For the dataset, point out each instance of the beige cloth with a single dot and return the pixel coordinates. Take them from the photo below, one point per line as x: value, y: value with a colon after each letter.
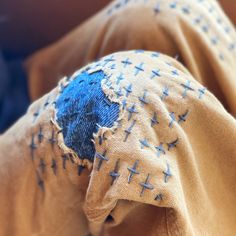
x: 197, y: 31
x: 179, y: 144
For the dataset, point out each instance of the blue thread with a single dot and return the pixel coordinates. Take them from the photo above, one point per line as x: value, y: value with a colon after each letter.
x: 101, y: 138
x: 205, y: 28
x: 197, y: 20
x: 186, y: 88
x: 227, y: 29
x: 146, y: 185
x: 155, y: 73
x: 214, y: 40
x: 71, y: 158
x: 88, y: 106
x: 219, y: 20
x: 80, y: 169
x: 107, y: 80
x: 167, y: 173
x: 138, y: 68
x: 128, y: 90
x: 40, y: 135
x: 182, y: 118
x: 108, y: 60
x: 160, y: 150
x: 36, y: 114
x: 232, y: 46
x: 157, y: 9
x: 52, y: 140
x: 32, y: 146
x: 114, y: 174
x: 169, y: 64
x: 112, y: 67
x: 143, y: 99
x: 172, y: 119
x: 154, y: 120
x: 165, y: 93
x: 101, y: 157
x: 109, y: 12
x: 46, y: 103
x: 144, y: 143
x: 109, y: 84
x: 54, y: 166
x: 126, y: 62
x: 119, y: 78
x: 128, y: 131
x: 42, y: 165
x: 221, y: 56
x: 133, y: 171
x: 159, y: 197
x: 172, y: 144
x: 201, y: 92
x: 173, y: 5
x: 64, y: 159
x: 175, y: 72
x: 124, y: 103
x: 118, y: 93
x: 211, y: 9
x: 40, y: 181
x: 155, y: 54
x: 117, y: 5
x: 131, y: 110
x: 96, y: 65
x: 186, y: 9
x: 62, y: 87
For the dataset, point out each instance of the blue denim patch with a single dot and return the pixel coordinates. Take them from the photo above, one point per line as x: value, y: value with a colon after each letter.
x: 81, y: 107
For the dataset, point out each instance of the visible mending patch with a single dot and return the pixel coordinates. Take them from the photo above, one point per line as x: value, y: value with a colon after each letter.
x: 82, y: 108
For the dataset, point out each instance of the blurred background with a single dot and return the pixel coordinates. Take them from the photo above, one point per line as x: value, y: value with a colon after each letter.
x: 28, y: 25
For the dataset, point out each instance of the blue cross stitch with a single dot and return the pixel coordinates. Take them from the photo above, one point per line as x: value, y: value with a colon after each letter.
x: 126, y: 62
x: 160, y: 150
x: 138, y: 68
x: 167, y: 173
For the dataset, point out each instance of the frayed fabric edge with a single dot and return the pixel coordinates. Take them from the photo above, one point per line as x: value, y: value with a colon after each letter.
x: 111, y: 96
x: 101, y: 131
x: 68, y: 151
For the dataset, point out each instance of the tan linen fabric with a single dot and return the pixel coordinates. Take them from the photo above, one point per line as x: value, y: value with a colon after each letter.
x: 197, y: 31
x: 37, y: 195
x: 166, y: 167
